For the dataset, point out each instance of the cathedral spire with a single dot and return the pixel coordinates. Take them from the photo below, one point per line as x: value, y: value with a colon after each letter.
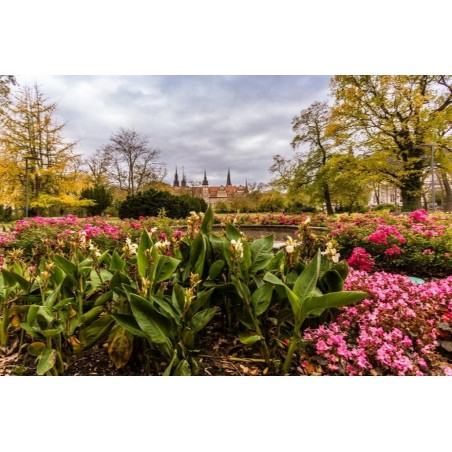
x: 176, y: 179
x: 205, y: 182
x: 228, y: 181
x: 184, y: 178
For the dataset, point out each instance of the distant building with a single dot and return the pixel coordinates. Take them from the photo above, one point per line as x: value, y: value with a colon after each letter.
x: 210, y: 193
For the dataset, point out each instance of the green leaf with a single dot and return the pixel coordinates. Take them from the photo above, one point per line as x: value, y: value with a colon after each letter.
x: 129, y: 323
x: 202, y: 318
x: 145, y: 244
x: 8, y: 278
x: 96, y: 280
x: 45, y: 318
x: 167, y: 372
x: 332, y: 300
x: 117, y: 263
x: 261, y: 253
x: 215, y: 269
x: 165, y: 268
x: 23, y: 283
x: 47, y: 360
x: 294, y: 301
x: 232, y: 233
x: 35, y: 348
x: 249, y: 337
x: 92, y: 314
x: 156, y: 327
x: 50, y: 301
x: 333, y: 281
x: 31, y: 314
x: 307, y: 281
x: 67, y: 266
x: 102, y: 299
x: 178, y: 298
x: 261, y: 298
x: 201, y: 299
x: 183, y: 369
x: 90, y: 335
x: 207, y: 221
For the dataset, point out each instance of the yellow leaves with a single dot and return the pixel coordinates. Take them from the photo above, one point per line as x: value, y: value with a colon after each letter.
x: 120, y: 345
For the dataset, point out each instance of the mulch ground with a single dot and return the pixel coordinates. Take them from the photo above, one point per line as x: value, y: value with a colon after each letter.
x: 220, y: 354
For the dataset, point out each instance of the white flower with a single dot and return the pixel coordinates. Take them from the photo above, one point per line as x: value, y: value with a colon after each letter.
x: 331, y: 252
x: 130, y: 247
x: 291, y: 244
x: 237, y: 247
x: 153, y: 230
x: 162, y: 244
x: 307, y: 221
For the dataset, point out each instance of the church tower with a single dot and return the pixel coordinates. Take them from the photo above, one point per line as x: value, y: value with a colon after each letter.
x: 184, y: 178
x: 205, y: 188
x: 228, y: 180
x: 176, y: 179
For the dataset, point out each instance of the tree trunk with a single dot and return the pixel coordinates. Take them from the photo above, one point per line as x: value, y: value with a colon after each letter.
x: 448, y: 193
x: 327, y: 197
x: 411, y: 189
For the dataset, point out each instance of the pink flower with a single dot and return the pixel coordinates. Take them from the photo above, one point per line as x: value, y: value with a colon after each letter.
x: 393, y: 250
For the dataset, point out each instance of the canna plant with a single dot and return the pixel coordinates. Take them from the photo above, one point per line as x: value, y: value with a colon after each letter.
x: 317, y: 288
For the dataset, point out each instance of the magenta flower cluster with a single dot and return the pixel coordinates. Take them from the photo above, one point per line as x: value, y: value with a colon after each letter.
x: 394, y: 331
x: 385, y: 232
x: 361, y: 260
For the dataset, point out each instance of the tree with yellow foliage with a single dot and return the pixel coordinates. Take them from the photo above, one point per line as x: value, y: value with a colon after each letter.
x: 30, y: 131
x: 391, y: 117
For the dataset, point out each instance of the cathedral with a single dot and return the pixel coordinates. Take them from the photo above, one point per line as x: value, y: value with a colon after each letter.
x: 211, y: 194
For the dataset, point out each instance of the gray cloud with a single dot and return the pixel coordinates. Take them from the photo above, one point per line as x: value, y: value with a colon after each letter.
x: 211, y: 122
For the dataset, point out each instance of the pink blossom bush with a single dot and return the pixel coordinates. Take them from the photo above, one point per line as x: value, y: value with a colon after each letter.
x: 361, y: 260
x: 394, y: 331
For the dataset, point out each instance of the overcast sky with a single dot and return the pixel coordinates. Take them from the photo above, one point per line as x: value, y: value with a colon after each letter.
x: 197, y: 122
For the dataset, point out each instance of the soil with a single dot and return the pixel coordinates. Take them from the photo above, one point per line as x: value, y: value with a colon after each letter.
x: 220, y: 354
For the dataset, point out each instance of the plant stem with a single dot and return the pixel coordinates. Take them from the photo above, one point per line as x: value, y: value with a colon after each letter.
x: 292, y: 346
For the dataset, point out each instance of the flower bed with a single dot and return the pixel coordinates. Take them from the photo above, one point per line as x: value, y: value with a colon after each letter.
x: 395, y: 331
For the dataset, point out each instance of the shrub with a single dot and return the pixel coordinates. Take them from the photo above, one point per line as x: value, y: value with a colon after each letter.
x: 387, y: 206
x: 149, y: 203
x: 194, y: 204
x: 102, y: 197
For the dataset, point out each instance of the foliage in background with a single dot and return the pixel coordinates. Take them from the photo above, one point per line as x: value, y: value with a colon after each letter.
x: 150, y: 202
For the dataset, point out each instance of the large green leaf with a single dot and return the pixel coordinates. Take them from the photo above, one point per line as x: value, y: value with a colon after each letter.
x: 165, y: 268
x: 261, y: 298
x: 129, y: 323
x: 232, y: 233
x: 215, y: 269
x: 145, y: 244
x: 307, y: 281
x: 261, y: 253
x: 201, y: 299
x: 90, y: 335
x: 207, y: 221
x: 294, y: 301
x: 67, y: 266
x: 331, y: 300
x: 202, y: 318
x: 47, y: 360
x: 156, y: 327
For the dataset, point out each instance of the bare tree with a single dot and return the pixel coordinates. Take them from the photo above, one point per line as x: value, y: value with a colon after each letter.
x: 131, y: 162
